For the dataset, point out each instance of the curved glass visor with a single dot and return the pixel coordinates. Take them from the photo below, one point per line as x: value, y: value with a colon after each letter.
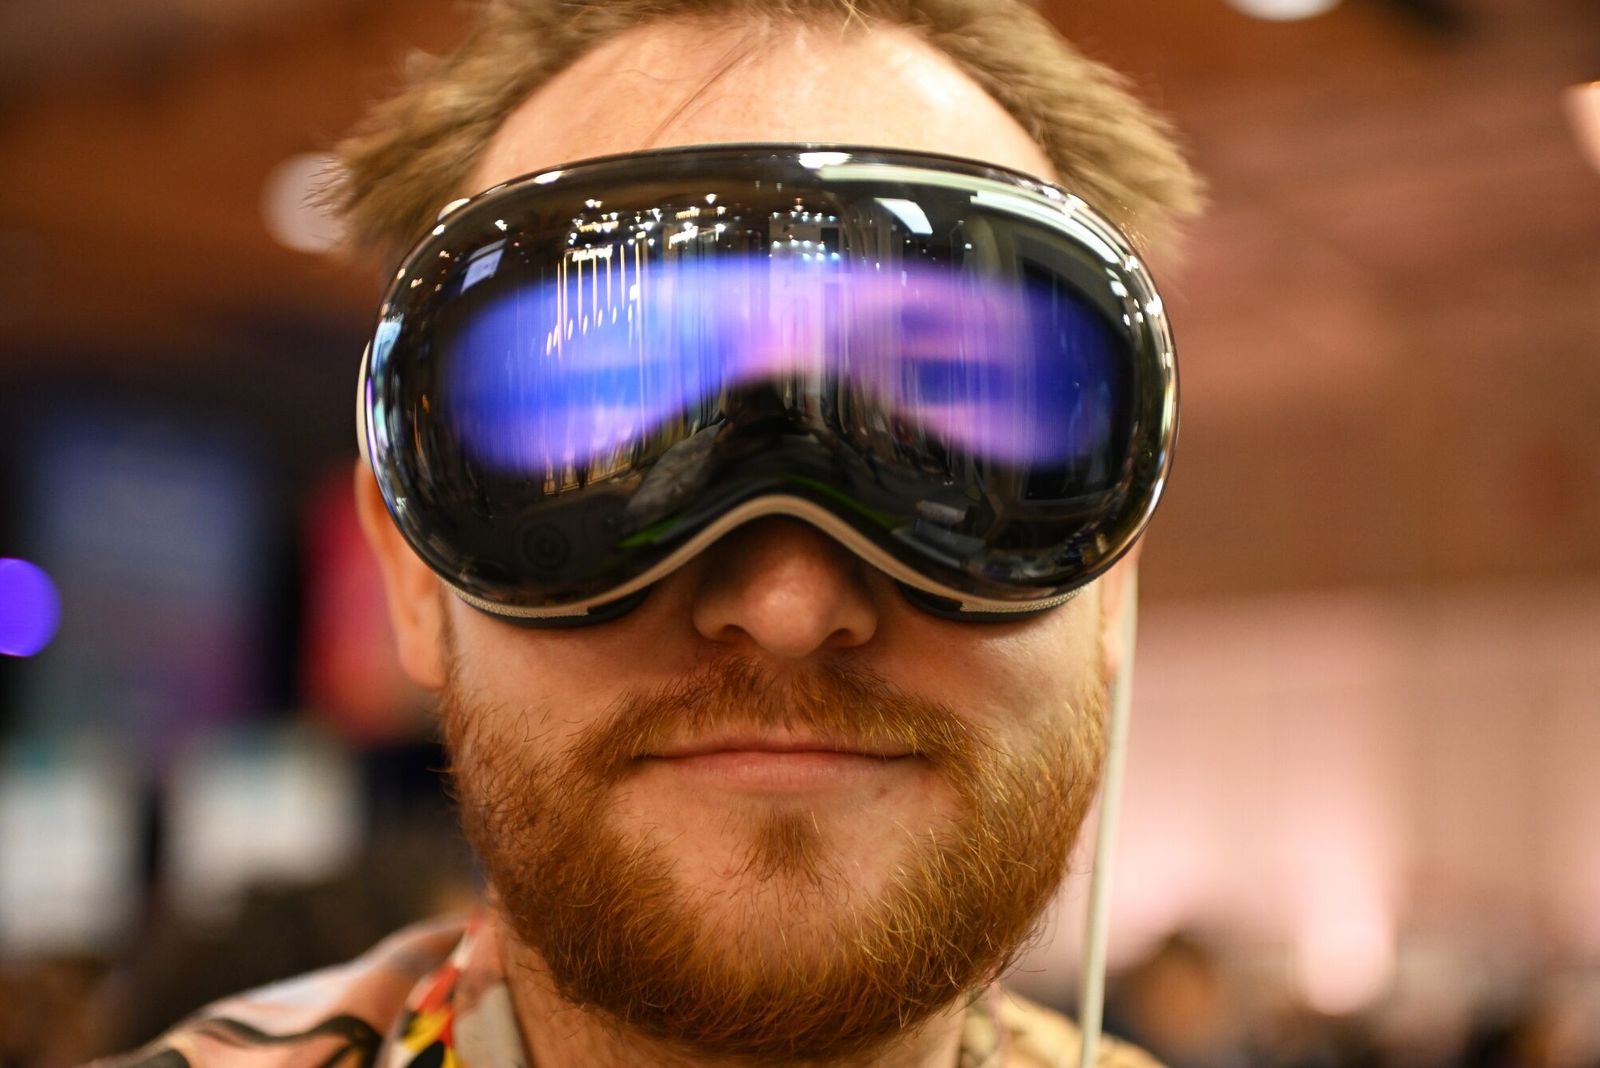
x: 582, y: 378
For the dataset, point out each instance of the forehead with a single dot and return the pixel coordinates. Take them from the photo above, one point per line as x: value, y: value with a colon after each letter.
x: 683, y: 83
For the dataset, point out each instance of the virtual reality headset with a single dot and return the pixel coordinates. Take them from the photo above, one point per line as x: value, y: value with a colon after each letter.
x: 582, y: 378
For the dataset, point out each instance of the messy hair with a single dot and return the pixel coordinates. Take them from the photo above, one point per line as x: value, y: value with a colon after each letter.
x: 414, y: 151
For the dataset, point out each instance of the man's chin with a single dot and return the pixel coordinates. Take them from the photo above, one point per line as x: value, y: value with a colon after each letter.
x: 835, y: 846
x: 795, y: 950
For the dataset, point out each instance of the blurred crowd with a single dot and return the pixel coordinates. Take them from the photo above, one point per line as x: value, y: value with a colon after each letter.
x: 1182, y: 1004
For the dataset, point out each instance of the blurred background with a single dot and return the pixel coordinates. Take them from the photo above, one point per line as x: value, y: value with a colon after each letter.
x: 1362, y: 820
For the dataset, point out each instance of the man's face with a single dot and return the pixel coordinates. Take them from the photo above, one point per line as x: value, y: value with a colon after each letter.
x: 776, y: 808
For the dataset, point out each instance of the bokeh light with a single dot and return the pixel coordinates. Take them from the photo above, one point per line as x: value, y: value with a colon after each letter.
x: 1583, y: 111
x: 30, y: 608
x: 1285, y: 10
x: 290, y: 209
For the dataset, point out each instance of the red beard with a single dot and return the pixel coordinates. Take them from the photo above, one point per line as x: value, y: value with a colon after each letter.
x: 604, y: 912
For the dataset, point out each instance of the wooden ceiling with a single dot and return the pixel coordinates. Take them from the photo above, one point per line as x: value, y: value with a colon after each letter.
x: 1389, y: 321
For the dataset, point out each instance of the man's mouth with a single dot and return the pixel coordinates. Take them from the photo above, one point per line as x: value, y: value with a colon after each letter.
x: 777, y: 762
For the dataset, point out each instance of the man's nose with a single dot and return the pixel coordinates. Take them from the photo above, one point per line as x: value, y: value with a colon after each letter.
x: 780, y: 586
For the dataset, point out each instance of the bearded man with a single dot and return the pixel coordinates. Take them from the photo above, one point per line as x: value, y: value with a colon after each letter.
x: 762, y: 434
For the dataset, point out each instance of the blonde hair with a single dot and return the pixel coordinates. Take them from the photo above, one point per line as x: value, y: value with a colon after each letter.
x: 414, y: 151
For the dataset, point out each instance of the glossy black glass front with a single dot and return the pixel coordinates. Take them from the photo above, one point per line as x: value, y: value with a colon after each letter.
x: 578, y: 372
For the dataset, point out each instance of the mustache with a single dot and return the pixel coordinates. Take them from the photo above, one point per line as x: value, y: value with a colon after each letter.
x: 839, y: 702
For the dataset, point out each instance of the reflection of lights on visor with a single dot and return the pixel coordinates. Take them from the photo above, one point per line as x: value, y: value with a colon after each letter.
x: 569, y: 370
x: 908, y: 212
x: 1017, y: 205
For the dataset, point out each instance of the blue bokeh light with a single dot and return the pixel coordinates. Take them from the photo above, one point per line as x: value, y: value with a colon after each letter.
x: 30, y: 608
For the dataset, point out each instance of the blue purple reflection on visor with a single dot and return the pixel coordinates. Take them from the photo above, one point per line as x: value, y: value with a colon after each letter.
x: 571, y: 368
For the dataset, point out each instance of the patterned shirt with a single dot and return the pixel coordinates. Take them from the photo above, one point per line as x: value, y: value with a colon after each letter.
x: 435, y: 996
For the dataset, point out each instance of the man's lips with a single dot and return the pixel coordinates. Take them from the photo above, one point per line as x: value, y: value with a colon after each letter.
x: 776, y: 744
x: 783, y: 764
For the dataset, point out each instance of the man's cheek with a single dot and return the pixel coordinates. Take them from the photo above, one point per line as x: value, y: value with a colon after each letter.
x: 621, y: 809
x: 1042, y: 682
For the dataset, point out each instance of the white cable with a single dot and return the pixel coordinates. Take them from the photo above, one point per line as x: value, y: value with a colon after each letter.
x: 1091, y: 1000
